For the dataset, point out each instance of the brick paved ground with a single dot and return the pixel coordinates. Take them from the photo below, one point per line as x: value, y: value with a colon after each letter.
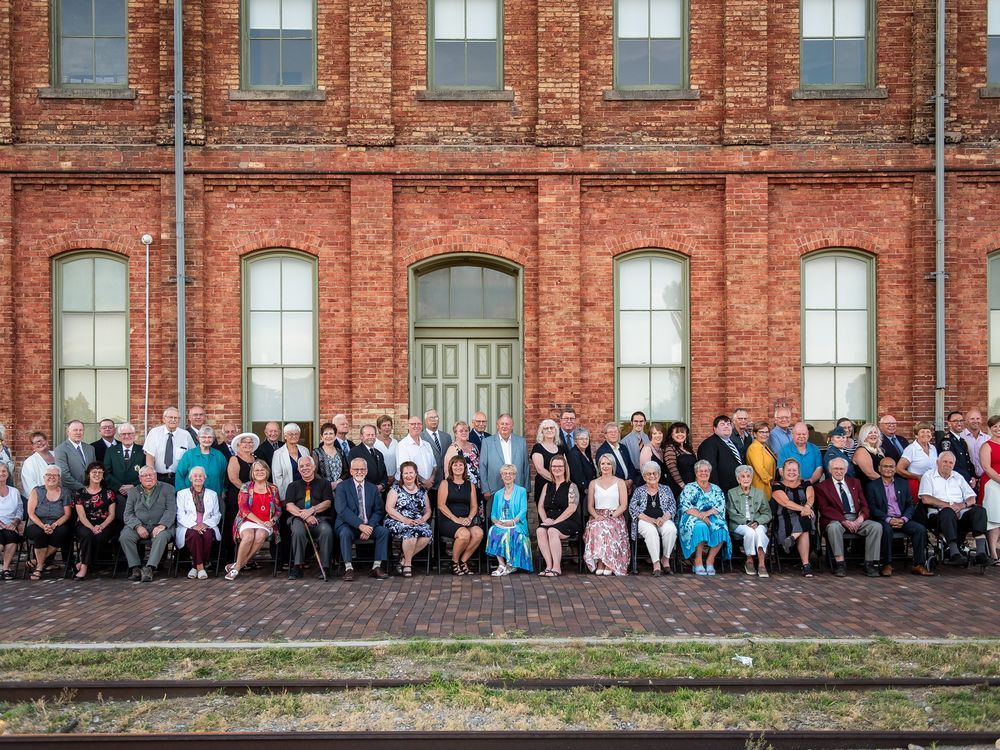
x: 259, y: 607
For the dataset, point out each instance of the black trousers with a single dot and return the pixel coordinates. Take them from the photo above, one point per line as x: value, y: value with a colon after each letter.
x: 918, y: 535
x: 58, y: 538
x: 953, y: 528
x: 9, y: 537
x: 89, y: 541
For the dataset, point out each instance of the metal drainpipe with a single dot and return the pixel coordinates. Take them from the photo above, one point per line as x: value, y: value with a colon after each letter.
x: 939, y: 259
x: 179, y: 205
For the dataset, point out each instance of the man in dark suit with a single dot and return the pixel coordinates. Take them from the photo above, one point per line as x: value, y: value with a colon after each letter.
x: 377, y: 474
x: 122, y: 462
x: 343, y: 425
x: 105, y: 441
x: 891, y: 505
x: 724, y: 455
x: 439, y: 441
x: 893, y: 445
x: 229, y: 431
x: 360, y: 512
x: 478, y: 432
x: 951, y: 440
x: 196, y: 420
x: 270, y: 443
x: 613, y: 446
x: 842, y: 509
x: 73, y: 456
x: 309, y: 503
x: 742, y: 434
x: 567, y: 426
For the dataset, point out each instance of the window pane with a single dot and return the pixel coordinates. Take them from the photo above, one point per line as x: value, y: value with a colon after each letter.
x: 432, y: 295
x: 852, y: 336
x: 481, y: 64
x: 633, y: 284
x: 633, y: 338
x: 76, y: 61
x: 995, y: 336
x: 852, y: 283
x: 633, y: 19
x: 111, y: 284
x: 817, y: 61
x: 633, y: 62
x: 79, y: 397
x: 665, y: 19
x: 666, y: 394
x: 296, y: 338
x: 77, y: 340
x: 110, y: 340
x: 850, y: 61
x: 817, y: 18
x: 818, y: 393
x: 993, y: 28
x: 852, y: 392
x: 819, y: 291
x: 850, y: 18
x: 449, y: 63
x: 264, y: 62
x: 298, y: 395
x: 665, y: 63
x: 994, y: 290
x: 993, y: 60
x: 466, y: 292
x: 265, y: 338
x: 110, y: 17
x: 76, y: 17
x: 264, y: 280
x: 667, y: 338
x: 296, y: 62
x: 633, y: 391
x: 821, y: 347
x: 481, y: 19
x: 994, y: 395
x: 264, y: 15
x: 499, y: 295
x: 110, y: 61
x: 296, y: 285
x: 449, y: 19
x: 112, y: 395
x: 296, y: 15
x: 666, y: 284
x: 78, y: 285
x: 265, y: 394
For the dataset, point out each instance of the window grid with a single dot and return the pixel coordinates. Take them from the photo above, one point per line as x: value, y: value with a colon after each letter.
x: 108, y: 47
x: 284, y: 38
x: 993, y: 351
x: 811, y: 48
x: 670, y: 77
x: 437, y: 79
x: 993, y: 43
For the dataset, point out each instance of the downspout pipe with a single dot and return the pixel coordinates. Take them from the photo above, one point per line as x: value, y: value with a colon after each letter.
x: 939, y: 260
x: 179, y: 206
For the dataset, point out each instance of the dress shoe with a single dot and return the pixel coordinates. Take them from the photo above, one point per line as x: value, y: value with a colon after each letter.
x: 378, y: 573
x: 920, y: 570
x: 886, y: 571
x: 871, y: 570
x: 957, y: 558
x: 982, y: 559
x: 147, y: 574
x: 135, y: 574
x: 294, y: 571
x: 840, y: 570
x: 349, y: 575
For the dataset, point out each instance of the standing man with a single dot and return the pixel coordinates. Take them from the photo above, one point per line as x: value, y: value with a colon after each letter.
x: 105, y: 441
x: 742, y: 435
x: 439, y: 440
x: 270, y: 443
x: 72, y: 456
x: 150, y: 513
x: 166, y: 444
x: 807, y: 455
x: 229, y: 431
x: 952, y: 510
x: 781, y: 433
x: 951, y: 440
x: 478, y: 432
x: 343, y: 425
x: 624, y: 468
x: 413, y: 448
x: 567, y: 425
x: 893, y: 445
x: 377, y: 472
x: 123, y: 461
x: 842, y: 508
x: 722, y: 453
x: 503, y: 447
x: 634, y: 441
x: 196, y: 420
x: 309, y: 502
x: 975, y: 438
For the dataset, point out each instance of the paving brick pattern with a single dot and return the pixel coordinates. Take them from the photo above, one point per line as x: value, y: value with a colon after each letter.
x: 259, y: 607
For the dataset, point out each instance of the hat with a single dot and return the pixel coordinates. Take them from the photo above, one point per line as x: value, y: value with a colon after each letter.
x: 838, y: 432
x: 236, y: 441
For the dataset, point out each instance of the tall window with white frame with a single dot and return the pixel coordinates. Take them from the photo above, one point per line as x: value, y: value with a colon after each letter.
x: 465, y: 50
x: 279, y: 44
x: 91, y: 345
x: 650, y: 44
x: 651, y: 341
x: 837, y: 43
x: 90, y: 42
x: 279, y: 331
x: 837, y: 338
x: 993, y: 43
x: 994, y: 348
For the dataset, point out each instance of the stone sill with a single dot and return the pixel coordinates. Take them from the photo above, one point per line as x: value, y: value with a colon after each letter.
x: 277, y: 95
x: 465, y: 95
x: 876, y: 93
x: 989, y: 92
x: 97, y: 92
x: 651, y: 95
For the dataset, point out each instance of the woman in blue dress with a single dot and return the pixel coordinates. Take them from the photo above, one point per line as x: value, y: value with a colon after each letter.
x: 407, y: 513
x: 508, y: 538
x: 702, y: 520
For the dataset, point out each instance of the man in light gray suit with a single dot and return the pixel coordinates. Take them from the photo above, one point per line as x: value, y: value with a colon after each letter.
x: 72, y: 457
x: 503, y: 447
x: 439, y: 441
x: 150, y: 513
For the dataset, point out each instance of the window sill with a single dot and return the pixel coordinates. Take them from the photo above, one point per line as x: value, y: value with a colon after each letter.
x: 277, y: 95
x: 876, y: 93
x: 464, y: 95
x: 78, y: 92
x: 651, y: 95
x: 990, y: 92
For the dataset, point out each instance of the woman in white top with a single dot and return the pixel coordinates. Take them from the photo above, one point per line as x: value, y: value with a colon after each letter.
x: 33, y: 468
x: 283, y: 472
x: 918, y: 457
x: 606, y: 538
x: 11, y: 522
x: 386, y: 444
x: 198, y: 518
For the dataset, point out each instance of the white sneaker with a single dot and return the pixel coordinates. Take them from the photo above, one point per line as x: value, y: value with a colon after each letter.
x: 193, y: 573
x: 510, y: 569
x: 501, y: 571
x: 202, y: 574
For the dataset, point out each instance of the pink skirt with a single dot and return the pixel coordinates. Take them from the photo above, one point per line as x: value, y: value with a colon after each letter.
x: 606, y: 539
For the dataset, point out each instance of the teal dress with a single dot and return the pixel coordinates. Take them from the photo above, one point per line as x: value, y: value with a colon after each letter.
x: 512, y: 543
x: 214, y: 464
x: 693, y: 530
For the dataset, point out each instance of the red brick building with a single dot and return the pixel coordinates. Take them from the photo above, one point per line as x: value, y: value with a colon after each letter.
x: 674, y: 205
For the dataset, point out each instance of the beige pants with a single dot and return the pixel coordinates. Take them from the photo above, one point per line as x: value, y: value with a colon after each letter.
x: 657, y: 537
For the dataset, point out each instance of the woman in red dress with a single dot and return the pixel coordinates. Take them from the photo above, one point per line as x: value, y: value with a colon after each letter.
x: 257, y: 517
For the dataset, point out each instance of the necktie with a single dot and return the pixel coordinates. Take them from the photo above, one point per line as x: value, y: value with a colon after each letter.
x: 308, y: 501
x: 127, y: 453
x: 734, y: 449
x: 844, y: 498
x: 79, y: 449
x: 895, y: 441
x: 437, y: 443
x: 168, y: 452
x: 343, y: 447
x: 361, y: 503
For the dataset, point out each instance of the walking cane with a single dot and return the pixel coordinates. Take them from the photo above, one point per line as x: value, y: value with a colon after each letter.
x: 312, y: 541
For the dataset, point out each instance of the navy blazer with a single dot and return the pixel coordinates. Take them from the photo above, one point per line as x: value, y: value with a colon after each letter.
x: 345, y: 502
x: 630, y: 471
x: 878, y: 503
x: 889, y: 450
x: 714, y: 450
x: 476, y: 439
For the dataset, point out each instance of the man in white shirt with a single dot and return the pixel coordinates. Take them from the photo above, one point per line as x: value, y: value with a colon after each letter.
x: 412, y: 448
x: 634, y: 441
x: 951, y: 507
x: 975, y: 438
x: 439, y: 441
x: 166, y: 444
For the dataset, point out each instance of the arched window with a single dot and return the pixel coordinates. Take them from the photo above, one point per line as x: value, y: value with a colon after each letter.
x: 838, y: 337
x: 279, y: 341
x: 651, y: 336
x: 993, y: 284
x: 90, y: 344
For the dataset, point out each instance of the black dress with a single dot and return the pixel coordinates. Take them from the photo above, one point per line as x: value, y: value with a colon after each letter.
x: 556, y: 502
x: 546, y: 460
x: 459, y: 502
x: 685, y: 468
x: 581, y: 470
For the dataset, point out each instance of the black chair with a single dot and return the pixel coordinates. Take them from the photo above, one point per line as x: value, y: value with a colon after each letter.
x: 216, y: 555
x: 442, y: 550
x: 573, y: 540
x: 639, y: 547
x: 397, y: 544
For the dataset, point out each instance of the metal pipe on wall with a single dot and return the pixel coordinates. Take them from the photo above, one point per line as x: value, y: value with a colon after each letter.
x: 179, y: 205
x: 939, y: 259
x: 147, y: 240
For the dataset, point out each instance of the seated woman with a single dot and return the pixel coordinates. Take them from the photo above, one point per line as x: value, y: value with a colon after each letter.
x: 407, y: 513
x: 259, y: 507
x: 749, y: 513
x: 49, y: 508
x: 508, y: 538
x: 794, y: 500
x: 703, y: 520
x: 557, y: 515
x: 198, y: 518
x: 458, y: 507
x: 605, y: 540
x: 96, y: 506
x: 653, y: 509
x: 11, y: 522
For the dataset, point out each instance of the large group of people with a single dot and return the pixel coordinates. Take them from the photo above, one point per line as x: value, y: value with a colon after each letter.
x: 746, y: 483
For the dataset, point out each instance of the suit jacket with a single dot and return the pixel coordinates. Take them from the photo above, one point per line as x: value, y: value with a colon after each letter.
x: 345, y: 461
x: 634, y: 442
x: 345, y: 501
x: 946, y: 441
x: 281, y: 468
x: 476, y: 439
x: 377, y: 473
x: 445, y: 440
x: 628, y: 472
x: 581, y: 469
x: 100, y: 449
x: 491, y: 459
x: 878, y: 503
x: 743, y: 443
x: 830, y: 506
x: 159, y: 510
x: 265, y: 452
x: 71, y: 465
x: 714, y: 450
x: 194, y: 436
x: 888, y: 449
x: 118, y: 471
x: 225, y: 450
x: 187, y: 516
